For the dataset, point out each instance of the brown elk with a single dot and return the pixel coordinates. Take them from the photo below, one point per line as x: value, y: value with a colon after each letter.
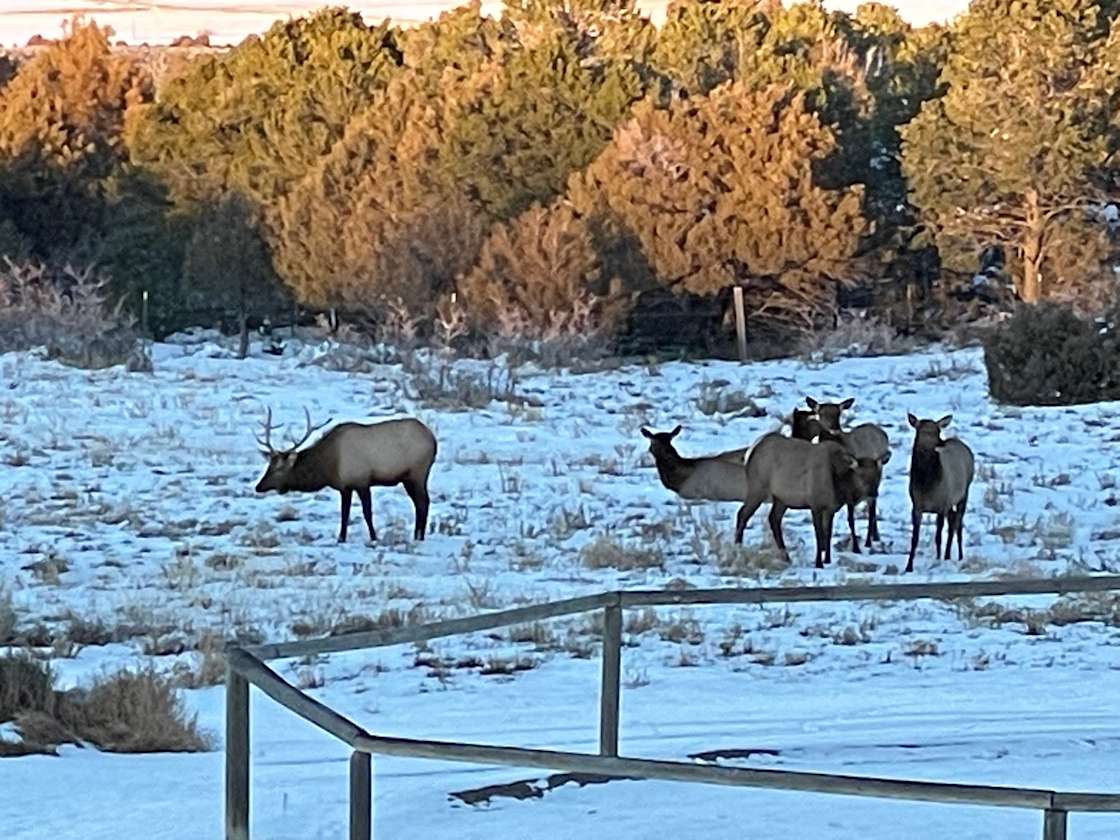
x: 941, y: 471
x: 866, y: 440
x: 712, y: 478
x: 794, y: 473
x: 353, y: 457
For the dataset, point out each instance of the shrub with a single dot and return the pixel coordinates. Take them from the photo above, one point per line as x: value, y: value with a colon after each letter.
x: 127, y: 711
x: 66, y: 311
x: 138, y: 711
x: 1047, y: 355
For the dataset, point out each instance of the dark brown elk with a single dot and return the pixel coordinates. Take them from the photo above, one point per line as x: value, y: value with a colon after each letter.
x: 866, y: 440
x: 941, y: 472
x: 794, y: 473
x: 711, y: 478
x: 352, y: 458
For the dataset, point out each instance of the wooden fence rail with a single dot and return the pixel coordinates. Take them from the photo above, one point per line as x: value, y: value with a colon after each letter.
x: 245, y: 667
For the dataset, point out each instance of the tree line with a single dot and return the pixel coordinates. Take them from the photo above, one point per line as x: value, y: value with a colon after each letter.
x: 569, y: 167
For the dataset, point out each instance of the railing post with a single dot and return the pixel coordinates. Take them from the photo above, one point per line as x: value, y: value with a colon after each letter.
x: 237, y: 756
x: 1055, y: 824
x: 612, y: 663
x: 361, y: 801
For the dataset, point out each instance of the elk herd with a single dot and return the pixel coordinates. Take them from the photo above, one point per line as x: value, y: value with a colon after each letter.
x: 819, y: 467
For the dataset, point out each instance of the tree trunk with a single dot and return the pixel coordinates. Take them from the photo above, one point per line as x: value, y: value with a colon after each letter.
x: 1030, y: 289
x: 243, y: 322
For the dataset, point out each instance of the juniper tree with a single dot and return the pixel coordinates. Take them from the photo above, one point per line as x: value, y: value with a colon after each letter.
x: 723, y: 190
x: 540, y: 274
x: 61, y: 119
x: 256, y: 118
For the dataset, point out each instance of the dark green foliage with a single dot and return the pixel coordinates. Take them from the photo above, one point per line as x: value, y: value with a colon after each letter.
x: 1012, y: 152
x: 545, y: 113
x: 256, y: 118
x: 1047, y: 355
x: 61, y: 119
x: 722, y: 191
x: 226, y: 266
x: 702, y: 45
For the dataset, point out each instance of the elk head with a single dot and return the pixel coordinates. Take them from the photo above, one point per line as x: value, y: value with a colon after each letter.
x: 828, y: 414
x: 928, y: 435
x: 281, y: 462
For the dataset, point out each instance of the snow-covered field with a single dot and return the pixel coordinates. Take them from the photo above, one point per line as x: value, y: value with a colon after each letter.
x: 128, y: 520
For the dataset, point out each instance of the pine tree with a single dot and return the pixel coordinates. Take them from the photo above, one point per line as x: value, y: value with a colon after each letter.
x: 1010, y: 154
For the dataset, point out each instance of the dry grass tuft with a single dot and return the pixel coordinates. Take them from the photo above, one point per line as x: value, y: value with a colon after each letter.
x: 607, y: 553
x: 127, y: 711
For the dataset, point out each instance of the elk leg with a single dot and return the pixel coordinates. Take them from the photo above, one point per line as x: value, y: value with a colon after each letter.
x: 937, y: 538
x: 960, y: 527
x: 367, y: 511
x: 421, y: 501
x: 818, y: 532
x: 346, y: 495
x: 916, y: 527
x: 852, y: 527
x: 826, y: 534
x: 952, y: 516
x: 746, y: 511
x: 777, y: 511
x: 872, y: 520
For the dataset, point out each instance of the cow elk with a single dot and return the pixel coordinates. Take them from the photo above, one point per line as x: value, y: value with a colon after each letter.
x: 710, y: 478
x: 941, y: 471
x: 352, y: 458
x: 794, y: 473
x: 865, y: 441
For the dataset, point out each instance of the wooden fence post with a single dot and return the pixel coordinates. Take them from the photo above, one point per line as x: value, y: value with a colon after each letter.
x: 361, y: 799
x: 237, y: 756
x: 612, y: 663
x: 1055, y: 824
x: 740, y: 322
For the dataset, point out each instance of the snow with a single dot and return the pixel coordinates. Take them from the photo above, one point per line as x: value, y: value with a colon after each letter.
x: 129, y: 502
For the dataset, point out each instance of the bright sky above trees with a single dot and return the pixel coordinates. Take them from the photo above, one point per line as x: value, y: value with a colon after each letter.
x: 159, y: 21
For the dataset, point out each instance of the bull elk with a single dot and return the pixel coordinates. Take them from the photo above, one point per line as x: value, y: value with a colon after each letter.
x: 353, y: 457
x: 940, y: 474
x: 865, y: 441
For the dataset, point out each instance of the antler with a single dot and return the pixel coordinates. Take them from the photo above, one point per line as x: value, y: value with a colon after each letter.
x: 266, y: 444
x: 310, y: 429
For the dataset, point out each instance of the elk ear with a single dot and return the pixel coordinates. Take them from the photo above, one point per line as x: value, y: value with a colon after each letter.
x: 913, y: 420
x: 848, y: 403
x: 812, y: 403
x: 647, y: 433
x: 675, y: 431
x: 945, y: 421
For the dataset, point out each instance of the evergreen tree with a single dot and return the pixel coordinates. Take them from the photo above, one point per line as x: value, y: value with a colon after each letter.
x: 538, y: 275
x: 1011, y: 154
x: 61, y: 119
x: 702, y: 44
x: 723, y: 191
x: 544, y: 113
x: 257, y: 118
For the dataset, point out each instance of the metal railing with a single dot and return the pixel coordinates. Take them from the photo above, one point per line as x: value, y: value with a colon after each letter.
x: 246, y: 665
